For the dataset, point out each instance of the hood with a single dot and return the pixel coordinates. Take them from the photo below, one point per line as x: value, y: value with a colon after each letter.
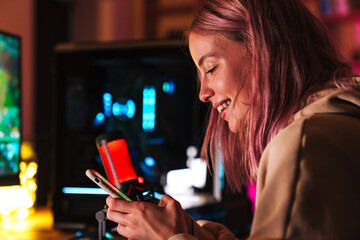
x: 332, y: 101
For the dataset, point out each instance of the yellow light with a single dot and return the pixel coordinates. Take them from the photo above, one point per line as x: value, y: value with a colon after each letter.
x: 18, y: 201
x: 27, y: 151
x: 28, y: 202
x: 4, y: 210
x: 22, y: 213
x: 30, y: 171
x: 31, y: 185
x: 22, y: 166
x: 33, y: 165
x: 23, y: 178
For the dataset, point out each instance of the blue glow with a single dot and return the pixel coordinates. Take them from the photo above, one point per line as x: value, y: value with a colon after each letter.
x: 221, y: 175
x: 158, y: 195
x: 166, y: 87
x: 149, y: 161
x: 116, y: 109
x: 145, y: 193
x: 149, y: 101
x: 107, y: 100
x: 156, y: 141
x: 82, y: 190
x: 131, y: 108
x: 169, y: 87
x: 127, y: 109
x: 148, y: 172
x: 107, y: 97
x: 99, y: 119
x: 108, y: 235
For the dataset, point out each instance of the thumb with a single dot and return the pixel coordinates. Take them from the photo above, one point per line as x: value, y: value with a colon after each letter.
x: 165, y: 200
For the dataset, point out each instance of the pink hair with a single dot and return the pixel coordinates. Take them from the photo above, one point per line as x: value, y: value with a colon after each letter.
x: 292, y: 58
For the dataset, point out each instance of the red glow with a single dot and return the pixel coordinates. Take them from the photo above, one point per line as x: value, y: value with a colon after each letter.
x: 107, y: 165
x: 251, y: 193
x: 358, y: 29
x: 140, y: 179
x: 120, y: 159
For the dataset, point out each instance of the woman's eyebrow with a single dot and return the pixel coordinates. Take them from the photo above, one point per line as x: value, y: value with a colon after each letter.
x: 202, y: 59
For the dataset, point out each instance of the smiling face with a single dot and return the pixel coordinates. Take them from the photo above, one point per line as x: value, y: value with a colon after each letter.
x: 223, y: 73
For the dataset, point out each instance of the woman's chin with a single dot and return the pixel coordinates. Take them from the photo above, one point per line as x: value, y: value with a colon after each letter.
x: 233, y: 128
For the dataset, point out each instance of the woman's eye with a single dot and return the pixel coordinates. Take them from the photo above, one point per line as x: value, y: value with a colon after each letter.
x: 211, y: 70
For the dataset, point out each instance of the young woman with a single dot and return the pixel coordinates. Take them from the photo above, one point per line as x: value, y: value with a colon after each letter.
x: 286, y: 115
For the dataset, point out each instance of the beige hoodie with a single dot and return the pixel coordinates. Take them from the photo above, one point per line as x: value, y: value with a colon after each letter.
x: 309, y: 177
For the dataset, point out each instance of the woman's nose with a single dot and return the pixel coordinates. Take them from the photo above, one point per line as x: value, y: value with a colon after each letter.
x: 205, y: 93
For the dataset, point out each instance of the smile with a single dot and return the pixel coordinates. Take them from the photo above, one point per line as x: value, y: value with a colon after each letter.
x: 223, y: 106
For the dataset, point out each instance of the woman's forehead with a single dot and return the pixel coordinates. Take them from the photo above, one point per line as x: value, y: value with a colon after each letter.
x: 213, y: 45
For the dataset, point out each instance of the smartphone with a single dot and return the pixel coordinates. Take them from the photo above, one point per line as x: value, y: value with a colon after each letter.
x: 98, y: 179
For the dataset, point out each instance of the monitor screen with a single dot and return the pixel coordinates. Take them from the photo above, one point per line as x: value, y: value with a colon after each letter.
x: 147, y: 90
x: 10, y: 120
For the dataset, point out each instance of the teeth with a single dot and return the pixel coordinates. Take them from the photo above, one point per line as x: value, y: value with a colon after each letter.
x: 223, y: 106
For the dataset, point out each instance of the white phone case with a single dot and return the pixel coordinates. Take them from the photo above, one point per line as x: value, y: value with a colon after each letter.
x: 99, y: 180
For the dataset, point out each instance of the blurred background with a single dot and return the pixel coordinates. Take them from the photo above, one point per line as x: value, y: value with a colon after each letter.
x: 47, y: 25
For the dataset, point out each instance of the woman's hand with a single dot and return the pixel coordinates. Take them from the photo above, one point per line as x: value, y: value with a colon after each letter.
x: 141, y: 220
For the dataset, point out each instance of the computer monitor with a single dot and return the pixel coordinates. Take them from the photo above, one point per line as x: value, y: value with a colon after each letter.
x: 10, y: 108
x: 145, y: 89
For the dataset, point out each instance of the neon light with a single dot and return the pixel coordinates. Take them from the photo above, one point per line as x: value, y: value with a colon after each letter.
x: 166, y: 87
x: 99, y: 119
x: 169, y: 87
x: 145, y: 193
x: 131, y: 109
x: 127, y: 109
x: 107, y: 97
x: 107, y: 100
x: 116, y: 109
x: 82, y: 190
x: 149, y: 161
x: 149, y: 101
x: 108, y: 235
x: 140, y: 179
x: 158, y: 195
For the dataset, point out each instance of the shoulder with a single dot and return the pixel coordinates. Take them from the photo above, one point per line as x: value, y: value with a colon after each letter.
x: 331, y: 135
x: 302, y: 172
x: 321, y: 135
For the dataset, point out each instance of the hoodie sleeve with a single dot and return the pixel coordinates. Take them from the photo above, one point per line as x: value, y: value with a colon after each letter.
x: 206, y: 230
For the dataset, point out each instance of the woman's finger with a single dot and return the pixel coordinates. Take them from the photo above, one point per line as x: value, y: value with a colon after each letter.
x: 165, y: 200
x: 118, y: 204
x: 117, y: 217
x: 123, y: 231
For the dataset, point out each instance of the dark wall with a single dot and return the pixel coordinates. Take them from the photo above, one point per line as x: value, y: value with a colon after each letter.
x: 51, y: 27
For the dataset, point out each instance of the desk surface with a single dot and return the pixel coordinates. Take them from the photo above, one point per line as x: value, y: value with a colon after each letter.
x: 37, y: 226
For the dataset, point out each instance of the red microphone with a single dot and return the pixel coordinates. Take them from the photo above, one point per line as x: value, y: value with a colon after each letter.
x: 115, y: 157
